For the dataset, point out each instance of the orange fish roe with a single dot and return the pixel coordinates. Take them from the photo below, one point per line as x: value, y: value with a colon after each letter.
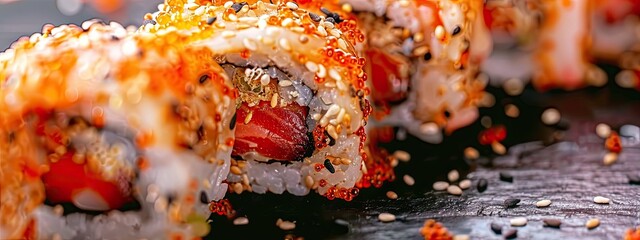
x: 632, y: 234
x: 613, y: 143
x: 433, y: 230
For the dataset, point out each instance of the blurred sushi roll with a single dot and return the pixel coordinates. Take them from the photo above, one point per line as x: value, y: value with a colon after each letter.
x: 302, y: 103
x: 546, y: 42
x: 133, y: 131
x: 615, y: 25
x: 423, y: 59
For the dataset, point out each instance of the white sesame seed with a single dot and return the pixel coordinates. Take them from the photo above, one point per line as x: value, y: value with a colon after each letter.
x: 543, y: 203
x: 610, y: 158
x: 286, y: 22
x: 465, y: 184
x: 471, y: 153
x: 250, y: 44
x: 311, y: 66
x: 429, y: 128
x: 518, y: 221
x: 461, y: 237
x: 603, y: 130
x: 328, y: 25
x: 331, y: 130
x: 454, y: 190
x: 601, y: 200
x: 286, y: 225
x: 322, y: 31
x: 498, y: 148
x: 408, y: 180
x: 342, y: 44
x: 274, y: 100
x: 333, y: 73
x: 308, y: 181
x: 322, y: 72
x: 335, y: 32
x: 386, y: 217
x: 550, y: 116
x: 592, y: 223
x: 262, y: 23
x: 233, y: 17
x: 228, y: 34
x: 392, y: 195
x: 265, y: 79
x: 228, y: 4
x: 284, y: 44
x: 513, y: 86
x: 402, y: 155
x: 285, y: 83
x: 453, y: 175
x: 511, y: 111
x: 247, y: 119
x: 440, y: 185
x: 241, y: 221
x: 292, y: 6
x: 439, y: 32
x: 347, y: 7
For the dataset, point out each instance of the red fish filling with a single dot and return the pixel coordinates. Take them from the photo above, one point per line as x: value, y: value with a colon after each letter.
x: 70, y: 182
x: 277, y: 133
x: 387, y: 82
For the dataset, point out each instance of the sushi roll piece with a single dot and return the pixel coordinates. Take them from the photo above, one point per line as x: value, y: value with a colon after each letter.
x: 302, y: 103
x: 562, y: 52
x: 547, y: 42
x: 424, y: 58
x: 106, y: 134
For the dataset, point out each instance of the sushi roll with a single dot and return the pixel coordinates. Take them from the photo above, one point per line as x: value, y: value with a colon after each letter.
x: 106, y: 134
x: 547, y: 42
x: 302, y: 104
x: 424, y: 58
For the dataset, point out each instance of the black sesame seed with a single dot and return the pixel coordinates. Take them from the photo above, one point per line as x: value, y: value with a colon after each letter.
x: 506, y: 177
x: 114, y: 38
x: 447, y: 114
x: 496, y: 228
x: 329, y: 166
x: 330, y: 19
x: 201, y: 132
x: 315, y: 17
x: 511, y: 234
x: 427, y: 56
x: 482, y: 185
x: 232, y: 125
x: 552, y: 223
x: 203, y: 79
x: 511, y: 202
x: 634, y: 179
x: 149, y: 21
x: 211, y: 20
x: 325, y: 11
x: 238, y: 6
x: 456, y: 31
x: 332, y: 141
x: 342, y: 226
x: 203, y: 197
